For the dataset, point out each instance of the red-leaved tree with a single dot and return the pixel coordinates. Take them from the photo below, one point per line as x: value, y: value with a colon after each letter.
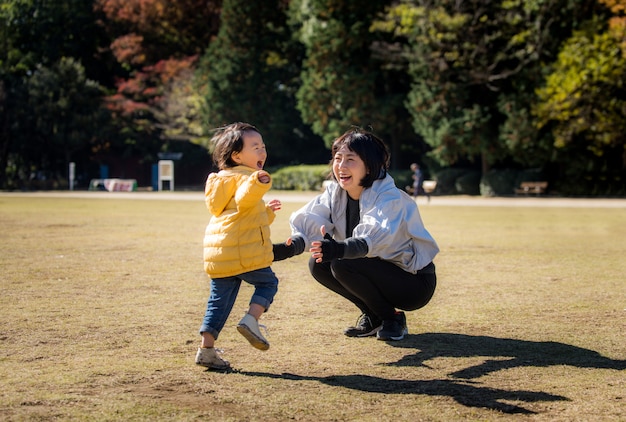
x: 156, y: 44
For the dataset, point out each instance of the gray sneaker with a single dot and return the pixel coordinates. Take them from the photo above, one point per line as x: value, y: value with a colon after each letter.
x: 210, y: 357
x: 249, y: 328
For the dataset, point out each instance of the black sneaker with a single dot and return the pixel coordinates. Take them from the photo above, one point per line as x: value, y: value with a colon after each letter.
x: 393, y: 329
x: 365, y: 326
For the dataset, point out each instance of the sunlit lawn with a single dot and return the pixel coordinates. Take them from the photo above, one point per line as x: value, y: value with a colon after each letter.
x: 101, y: 300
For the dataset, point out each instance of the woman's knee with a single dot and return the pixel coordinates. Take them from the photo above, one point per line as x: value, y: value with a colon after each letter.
x: 423, y: 295
x: 320, y: 271
x: 342, y: 268
x: 313, y: 267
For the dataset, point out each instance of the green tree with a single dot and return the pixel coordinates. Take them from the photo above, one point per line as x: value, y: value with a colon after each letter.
x: 472, y: 63
x: 583, y: 105
x: 352, y: 76
x: 338, y: 74
x: 249, y: 73
x: 37, y: 34
x: 179, y: 112
x: 65, y: 113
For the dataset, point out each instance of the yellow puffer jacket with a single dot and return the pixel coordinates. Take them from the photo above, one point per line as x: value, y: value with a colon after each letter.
x: 237, y: 238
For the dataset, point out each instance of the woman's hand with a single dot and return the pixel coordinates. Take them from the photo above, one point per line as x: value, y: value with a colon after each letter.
x: 327, y: 249
x: 316, y: 247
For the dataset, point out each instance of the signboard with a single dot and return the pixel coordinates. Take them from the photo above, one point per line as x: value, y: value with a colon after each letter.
x: 166, y: 174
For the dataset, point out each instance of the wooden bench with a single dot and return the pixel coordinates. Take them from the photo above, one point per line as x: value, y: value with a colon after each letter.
x: 528, y: 188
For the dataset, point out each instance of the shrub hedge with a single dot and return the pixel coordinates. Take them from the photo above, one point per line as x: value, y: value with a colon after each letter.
x: 301, y: 177
x: 450, y: 181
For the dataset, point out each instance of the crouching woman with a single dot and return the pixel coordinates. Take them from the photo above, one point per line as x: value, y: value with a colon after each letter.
x: 367, y: 239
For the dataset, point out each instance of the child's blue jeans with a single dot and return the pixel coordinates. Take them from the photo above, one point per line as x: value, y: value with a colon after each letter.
x: 224, y: 293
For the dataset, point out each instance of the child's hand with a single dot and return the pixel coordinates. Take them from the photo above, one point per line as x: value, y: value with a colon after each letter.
x: 291, y: 247
x: 275, y: 204
x: 264, y: 177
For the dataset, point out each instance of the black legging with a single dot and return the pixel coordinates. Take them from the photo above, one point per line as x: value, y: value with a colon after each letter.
x: 375, y: 286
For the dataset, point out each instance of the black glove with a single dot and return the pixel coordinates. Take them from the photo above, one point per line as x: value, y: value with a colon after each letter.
x: 331, y: 249
x: 284, y: 251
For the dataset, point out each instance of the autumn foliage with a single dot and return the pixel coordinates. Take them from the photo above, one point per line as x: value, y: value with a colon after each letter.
x: 155, y: 42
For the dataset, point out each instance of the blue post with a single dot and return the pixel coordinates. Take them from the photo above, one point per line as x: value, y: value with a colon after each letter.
x: 155, y: 177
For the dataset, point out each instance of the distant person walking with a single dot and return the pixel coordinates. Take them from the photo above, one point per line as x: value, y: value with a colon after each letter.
x: 237, y: 244
x: 418, y: 182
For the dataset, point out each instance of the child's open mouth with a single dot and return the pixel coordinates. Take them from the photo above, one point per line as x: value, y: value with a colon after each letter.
x: 259, y: 165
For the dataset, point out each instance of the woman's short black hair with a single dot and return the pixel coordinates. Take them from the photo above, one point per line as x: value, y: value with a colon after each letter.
x: 227, y: 140
x: 370, y: 148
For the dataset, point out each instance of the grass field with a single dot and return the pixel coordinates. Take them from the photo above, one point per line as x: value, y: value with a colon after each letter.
x: 101, y: 300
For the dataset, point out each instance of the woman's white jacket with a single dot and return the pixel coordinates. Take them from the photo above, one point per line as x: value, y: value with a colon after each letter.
x: 389, y: 222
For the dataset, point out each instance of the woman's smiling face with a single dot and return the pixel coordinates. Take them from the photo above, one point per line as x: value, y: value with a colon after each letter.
x: 349, y: 169
x: 253, y: 154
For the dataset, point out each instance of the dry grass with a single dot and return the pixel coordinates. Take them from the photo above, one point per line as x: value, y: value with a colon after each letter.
x: 101, y: 300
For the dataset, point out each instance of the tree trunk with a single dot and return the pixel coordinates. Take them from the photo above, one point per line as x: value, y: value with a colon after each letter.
x: 484, y: 162
x: 5, y: 139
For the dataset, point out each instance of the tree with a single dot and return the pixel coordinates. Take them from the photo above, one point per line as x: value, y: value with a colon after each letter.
x: 139, y: 109
x: 584, y: 97
x: 338, y: 74
x: 351, y: 75
x: 617, y: 22
x: 467, y: 62
x: 147, y: 31
x: 583, y: 105
x: 249, y: 73
x: 180, y: 109
x: 65, y: 111
x: 36, y: 35
x: 156, y: 44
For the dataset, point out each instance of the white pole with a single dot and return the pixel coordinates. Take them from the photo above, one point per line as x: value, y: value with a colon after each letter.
x: 72, y: 173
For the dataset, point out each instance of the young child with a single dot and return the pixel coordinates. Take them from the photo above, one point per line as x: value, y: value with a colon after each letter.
x: 237, y: 243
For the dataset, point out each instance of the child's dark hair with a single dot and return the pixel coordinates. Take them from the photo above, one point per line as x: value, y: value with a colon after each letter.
x: 227, y: 140
x: 370, y: 148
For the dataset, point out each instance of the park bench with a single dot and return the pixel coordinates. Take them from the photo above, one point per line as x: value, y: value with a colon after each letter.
x: 528, y: 188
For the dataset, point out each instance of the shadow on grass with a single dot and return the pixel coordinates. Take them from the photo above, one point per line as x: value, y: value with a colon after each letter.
x: 463, y: 392
x: 520, y: 353
x: 461, y: 389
